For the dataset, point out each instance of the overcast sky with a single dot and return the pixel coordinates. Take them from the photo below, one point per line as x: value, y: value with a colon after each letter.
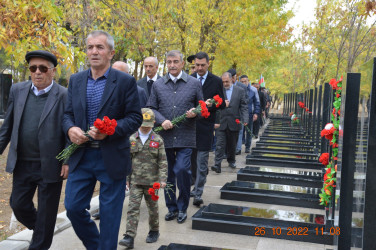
x: 304, y: 12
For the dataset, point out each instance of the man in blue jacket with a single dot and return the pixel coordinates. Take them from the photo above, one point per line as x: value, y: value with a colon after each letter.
x: 94, y: 93
x: 253, y: 109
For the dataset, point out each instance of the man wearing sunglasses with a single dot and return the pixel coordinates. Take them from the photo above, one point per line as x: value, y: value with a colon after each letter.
x: 32, y: 125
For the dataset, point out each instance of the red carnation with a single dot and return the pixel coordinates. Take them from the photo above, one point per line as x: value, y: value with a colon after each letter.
x: 99, y: 124
x: 333, y: 82
x: 154, y: 197
x: 301, y: 104
x: 338, y: 95
x: 151, y: 191
x: 110, y: 131
x: 218, y: 100
x: 156, y: 185
x: 237, y: 121
x: 324, y: 159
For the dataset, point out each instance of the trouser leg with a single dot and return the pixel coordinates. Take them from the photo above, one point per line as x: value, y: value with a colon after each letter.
x: 202, y: 169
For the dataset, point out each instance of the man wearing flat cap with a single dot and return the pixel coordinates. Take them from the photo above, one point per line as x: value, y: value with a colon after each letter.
x: 32, y: 125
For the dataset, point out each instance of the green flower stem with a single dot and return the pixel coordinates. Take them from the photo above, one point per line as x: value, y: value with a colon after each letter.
x: 178, y: 119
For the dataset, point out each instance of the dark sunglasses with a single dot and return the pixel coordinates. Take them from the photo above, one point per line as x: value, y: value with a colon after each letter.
x: 41, y: 68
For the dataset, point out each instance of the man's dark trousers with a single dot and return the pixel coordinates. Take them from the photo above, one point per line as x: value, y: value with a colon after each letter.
x: 78, y: 194
x: 179, y: 163
x: 248, y: 136
x: 226, y: 142
x: 27, y: 176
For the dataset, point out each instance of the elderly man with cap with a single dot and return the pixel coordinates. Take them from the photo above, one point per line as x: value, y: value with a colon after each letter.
x: 32, y: 125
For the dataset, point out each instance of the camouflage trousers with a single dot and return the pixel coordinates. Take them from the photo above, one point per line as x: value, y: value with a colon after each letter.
x: 133, y: 214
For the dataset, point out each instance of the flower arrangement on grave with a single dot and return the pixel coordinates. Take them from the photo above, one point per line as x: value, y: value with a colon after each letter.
x: 153, y: 191
x: 105, y: 126
x: 331, y: 132
x: 294, y: 119
x: 201, y: 108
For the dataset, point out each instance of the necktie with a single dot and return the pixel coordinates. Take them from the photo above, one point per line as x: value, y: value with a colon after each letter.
x: 150, y: 82
x: 201, y: 80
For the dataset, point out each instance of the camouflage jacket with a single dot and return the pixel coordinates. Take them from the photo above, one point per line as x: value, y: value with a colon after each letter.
x: 149, y: 162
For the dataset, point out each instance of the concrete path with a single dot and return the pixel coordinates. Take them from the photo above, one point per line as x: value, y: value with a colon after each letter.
x: 172, y: 232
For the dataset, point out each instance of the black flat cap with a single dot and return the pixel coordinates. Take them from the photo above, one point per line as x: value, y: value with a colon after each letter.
x: 41, y: 54
x: 232, y: 71
x: 191, y: 58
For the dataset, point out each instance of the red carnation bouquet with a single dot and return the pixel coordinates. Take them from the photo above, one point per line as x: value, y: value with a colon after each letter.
x: 105, y: 126
x: 201, y: 108
x: 155, y: 189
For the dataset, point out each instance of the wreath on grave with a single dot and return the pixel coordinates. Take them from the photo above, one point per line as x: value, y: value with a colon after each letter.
x: 331, y: 133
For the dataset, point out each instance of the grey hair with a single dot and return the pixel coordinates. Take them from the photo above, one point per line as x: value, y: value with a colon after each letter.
x: 227, y: 74
x: 173, y: 53
x: 154, y: 59
x: 110, y: 39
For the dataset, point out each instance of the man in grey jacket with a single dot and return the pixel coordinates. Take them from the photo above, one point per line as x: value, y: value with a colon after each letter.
x: 173, y: 95
x: 229, y: 121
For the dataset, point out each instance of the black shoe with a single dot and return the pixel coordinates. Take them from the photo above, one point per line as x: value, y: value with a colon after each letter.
x: 198, y: 201
x: 247, y: 151
x: 171, y: 215
x: 96, y: 216
x: 216, y: 169
x: 152, y: 236
x: 127, y: 241
x: 232, y: 165
x: 182, y: 217
x: 238, y: 152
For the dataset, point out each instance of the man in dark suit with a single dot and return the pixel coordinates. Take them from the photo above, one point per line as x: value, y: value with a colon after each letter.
x: 142, y: 96
x: 151, y: 69
x: 95, y: 93
x: 211, y: 86
x: 32, y: 125
x: 228, y: 128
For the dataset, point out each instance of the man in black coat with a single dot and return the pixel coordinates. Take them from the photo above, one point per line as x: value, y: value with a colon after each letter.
x: 211, y: 86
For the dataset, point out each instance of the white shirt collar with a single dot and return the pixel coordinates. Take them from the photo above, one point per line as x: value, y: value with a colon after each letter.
x: 43, y: 91
x: 204, y: 76
x: 178, y: 77
x: 154, y: 78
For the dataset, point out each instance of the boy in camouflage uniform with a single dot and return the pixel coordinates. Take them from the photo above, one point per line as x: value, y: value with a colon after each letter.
x: 149, y: 165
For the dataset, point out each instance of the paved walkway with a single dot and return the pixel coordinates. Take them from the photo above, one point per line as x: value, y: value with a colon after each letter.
x: 172, y: 232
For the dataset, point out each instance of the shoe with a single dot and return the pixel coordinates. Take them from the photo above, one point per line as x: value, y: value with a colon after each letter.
x: 171, y: 215
x: 232, y: 165
x: 216, y: 169
x: 247, y: 151
x: 127, y: 241
x: 182, y: 217
x: 192, y: 194
x: 197, y: 201
x: 152, y: 236
x: 239, y: 152
x: 96, y: 216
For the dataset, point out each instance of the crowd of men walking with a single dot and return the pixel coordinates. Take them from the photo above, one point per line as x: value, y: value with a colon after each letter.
x: 42, y: 117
